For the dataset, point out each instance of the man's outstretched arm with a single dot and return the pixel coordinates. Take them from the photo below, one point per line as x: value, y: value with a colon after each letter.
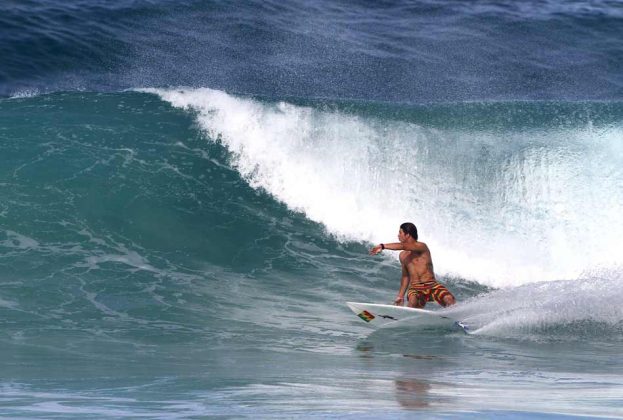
x: 398, y: 246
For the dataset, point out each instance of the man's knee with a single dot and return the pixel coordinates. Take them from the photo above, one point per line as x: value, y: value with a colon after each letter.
x: 449, y: 300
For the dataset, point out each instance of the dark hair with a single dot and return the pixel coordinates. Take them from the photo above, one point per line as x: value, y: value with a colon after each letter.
x: 410, y: 229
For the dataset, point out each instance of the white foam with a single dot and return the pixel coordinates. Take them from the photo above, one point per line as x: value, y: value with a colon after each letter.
x: 129, y: 258
x: 25, y: 93
x: 534, y: 306
x: 504, y: 208
x: 19, y: 241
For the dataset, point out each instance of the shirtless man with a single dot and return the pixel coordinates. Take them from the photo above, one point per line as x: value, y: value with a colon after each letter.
x: 418, y: 278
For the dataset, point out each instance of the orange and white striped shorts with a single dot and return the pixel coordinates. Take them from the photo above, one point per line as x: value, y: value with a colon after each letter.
x: 427, y: 291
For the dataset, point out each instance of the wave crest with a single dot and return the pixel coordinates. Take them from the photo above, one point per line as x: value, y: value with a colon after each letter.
x: 503, y: 205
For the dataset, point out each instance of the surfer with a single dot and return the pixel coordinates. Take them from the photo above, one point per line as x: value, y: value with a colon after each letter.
x: 418, y: 279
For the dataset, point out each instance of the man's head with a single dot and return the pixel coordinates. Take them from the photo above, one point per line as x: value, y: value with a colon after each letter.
x: 407, y: 230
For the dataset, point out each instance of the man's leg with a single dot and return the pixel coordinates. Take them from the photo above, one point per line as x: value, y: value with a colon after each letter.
x: 416, y: 299
x: 442, y: 295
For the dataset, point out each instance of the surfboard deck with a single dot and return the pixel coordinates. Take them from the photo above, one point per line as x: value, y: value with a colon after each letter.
x: 379, y: 315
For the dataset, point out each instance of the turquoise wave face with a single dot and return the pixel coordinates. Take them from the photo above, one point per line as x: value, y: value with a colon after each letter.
x: 116, y: 209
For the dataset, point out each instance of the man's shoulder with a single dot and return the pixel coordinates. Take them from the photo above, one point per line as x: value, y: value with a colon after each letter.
x: 421, y: 244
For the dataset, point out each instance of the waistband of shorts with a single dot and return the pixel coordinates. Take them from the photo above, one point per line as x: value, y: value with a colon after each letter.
x: 423, y: 286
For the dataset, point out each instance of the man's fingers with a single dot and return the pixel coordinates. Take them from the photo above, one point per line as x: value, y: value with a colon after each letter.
x: 375, y: 250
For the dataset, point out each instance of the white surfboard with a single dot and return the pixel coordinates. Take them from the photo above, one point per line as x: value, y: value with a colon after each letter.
x: 379, y: 315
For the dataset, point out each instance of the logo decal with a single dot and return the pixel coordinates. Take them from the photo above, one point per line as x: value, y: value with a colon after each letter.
x: 366, y: 316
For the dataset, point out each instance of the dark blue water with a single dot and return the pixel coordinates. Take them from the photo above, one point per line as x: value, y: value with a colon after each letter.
x: 395, y: 51
x: 188, y: 192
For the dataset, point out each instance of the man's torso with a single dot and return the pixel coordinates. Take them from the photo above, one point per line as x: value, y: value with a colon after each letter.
x: 419, y: 265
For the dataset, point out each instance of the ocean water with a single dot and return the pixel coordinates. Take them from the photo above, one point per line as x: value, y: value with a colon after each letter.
x: 188, y: 191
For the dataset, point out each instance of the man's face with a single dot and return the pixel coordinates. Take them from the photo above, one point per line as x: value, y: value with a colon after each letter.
x: 402, y: 237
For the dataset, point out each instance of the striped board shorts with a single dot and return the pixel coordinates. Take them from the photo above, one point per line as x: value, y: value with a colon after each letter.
x: 427, y: 291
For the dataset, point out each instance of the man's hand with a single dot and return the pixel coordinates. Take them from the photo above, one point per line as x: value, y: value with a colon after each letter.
x: 378, y: 248
x: 399, y: 301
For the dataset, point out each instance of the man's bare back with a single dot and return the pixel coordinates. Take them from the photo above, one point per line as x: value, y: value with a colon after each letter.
x: 418, y: 277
